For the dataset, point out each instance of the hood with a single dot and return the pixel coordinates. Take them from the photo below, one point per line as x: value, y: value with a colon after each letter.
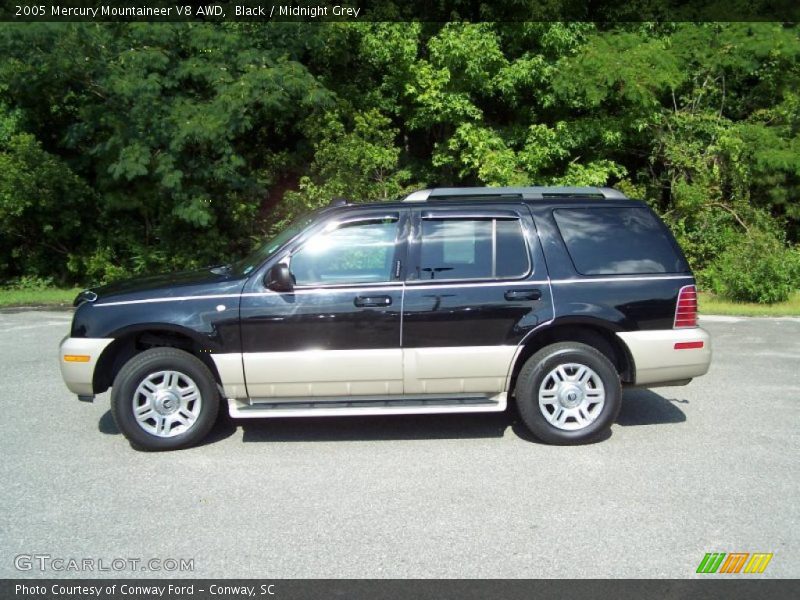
x: 200, y: 282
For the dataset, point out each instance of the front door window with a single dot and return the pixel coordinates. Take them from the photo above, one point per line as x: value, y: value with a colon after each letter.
x: 352, y: 253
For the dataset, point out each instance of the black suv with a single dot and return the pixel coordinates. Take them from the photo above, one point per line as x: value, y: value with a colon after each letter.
x: 447, y: 302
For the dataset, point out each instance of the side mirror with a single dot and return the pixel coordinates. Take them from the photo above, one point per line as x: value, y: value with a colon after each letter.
x: 279, y: 279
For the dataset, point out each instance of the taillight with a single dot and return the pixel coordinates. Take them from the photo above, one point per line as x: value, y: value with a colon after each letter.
x: 686, y: 310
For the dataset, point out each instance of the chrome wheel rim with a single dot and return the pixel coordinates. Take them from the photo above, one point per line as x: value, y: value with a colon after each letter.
x: 571, y: 396
x: 167, y: 403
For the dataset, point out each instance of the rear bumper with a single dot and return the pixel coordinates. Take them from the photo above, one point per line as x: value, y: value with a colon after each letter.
x: 77, y: 358
x: 667, y: 355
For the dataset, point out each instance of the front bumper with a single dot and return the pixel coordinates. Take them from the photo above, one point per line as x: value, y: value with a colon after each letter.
x: 77, y: 358
x: 667, y: 355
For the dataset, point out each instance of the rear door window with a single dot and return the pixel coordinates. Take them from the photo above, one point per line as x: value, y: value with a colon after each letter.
x: 454, y: 247
x: 618, y: 241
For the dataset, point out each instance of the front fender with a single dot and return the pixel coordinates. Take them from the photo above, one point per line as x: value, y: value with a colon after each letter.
x: 212, y: 322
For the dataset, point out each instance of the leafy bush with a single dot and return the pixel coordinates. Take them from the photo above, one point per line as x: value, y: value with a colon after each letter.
x: 30, y: 282
x: 758, y: 269
x: 794, y: 265
x: 703, y: 235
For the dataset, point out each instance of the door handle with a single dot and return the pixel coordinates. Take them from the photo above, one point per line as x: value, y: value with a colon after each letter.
x: 372, y: 301
x: 512, y: 295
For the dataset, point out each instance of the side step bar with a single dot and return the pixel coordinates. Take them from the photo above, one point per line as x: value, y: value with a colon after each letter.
x: 362, y: 406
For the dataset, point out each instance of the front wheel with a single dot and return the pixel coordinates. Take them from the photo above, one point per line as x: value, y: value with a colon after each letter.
x: 568, y: 393
x: 164, y: 399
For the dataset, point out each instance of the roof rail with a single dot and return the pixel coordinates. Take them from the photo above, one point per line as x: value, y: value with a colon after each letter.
x: 418, y: 196
x: 526, y: 193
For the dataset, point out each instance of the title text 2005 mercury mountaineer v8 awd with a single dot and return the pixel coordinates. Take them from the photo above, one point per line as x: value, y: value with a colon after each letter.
x: 452, y: 300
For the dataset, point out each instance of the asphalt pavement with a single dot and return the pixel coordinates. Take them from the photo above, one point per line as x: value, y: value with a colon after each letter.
x: 710, y: 467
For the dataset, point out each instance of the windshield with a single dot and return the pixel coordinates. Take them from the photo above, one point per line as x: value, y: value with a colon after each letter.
x: 260, y: 254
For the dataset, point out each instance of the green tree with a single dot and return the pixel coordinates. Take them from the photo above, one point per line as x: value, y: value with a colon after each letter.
x: 175, y: 145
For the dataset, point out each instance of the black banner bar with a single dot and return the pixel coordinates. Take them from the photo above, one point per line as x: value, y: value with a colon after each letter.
x: 609, y: 11
x: 730, y: 588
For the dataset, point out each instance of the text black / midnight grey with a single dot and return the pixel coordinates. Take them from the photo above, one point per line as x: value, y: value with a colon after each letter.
x: 450, y: 301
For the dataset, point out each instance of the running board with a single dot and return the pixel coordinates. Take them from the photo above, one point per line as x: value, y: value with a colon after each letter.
x: 362, y: 406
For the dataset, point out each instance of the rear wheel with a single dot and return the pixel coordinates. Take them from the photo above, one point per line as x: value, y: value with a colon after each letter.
x: 568, y: 393
x: 164, y: 399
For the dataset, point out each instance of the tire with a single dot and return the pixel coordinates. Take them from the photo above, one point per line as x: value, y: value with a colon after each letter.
x: 574, y: 405
x: 176, y: 396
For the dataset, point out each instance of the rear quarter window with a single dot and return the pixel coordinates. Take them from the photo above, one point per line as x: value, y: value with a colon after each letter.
x: 618, y: 241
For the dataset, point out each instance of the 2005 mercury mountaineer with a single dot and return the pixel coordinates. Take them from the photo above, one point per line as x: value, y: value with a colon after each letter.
x: 450, y: 301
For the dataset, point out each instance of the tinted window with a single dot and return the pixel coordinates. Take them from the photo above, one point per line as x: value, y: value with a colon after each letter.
x: 474, y: 248
x: 617, y: 241
x: 354, y: 253
x: 512, y: 252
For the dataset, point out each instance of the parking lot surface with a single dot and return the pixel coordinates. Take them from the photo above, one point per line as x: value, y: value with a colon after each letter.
x: 710, y: 467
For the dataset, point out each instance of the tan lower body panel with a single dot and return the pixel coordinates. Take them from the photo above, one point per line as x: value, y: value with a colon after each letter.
x: 231, y: 374
x: 466, y: 369
x: 656, y: 359
x: 78, y: 375
x: 312, y: 373
x: 377, y: 372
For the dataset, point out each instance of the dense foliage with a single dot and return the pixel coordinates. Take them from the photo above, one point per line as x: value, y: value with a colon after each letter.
x: 128, y: 148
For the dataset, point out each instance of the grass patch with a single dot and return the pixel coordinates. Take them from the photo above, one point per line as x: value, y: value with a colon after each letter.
x: 714, y: 305
x: 38, y: 297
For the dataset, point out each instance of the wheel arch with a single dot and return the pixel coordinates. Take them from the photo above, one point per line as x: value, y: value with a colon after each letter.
x: 592, y: 332
x: 130, y: 341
